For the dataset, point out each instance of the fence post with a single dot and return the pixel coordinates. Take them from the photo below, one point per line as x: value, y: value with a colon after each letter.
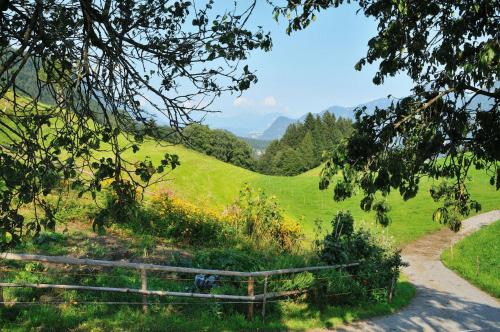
x: 264, y: 300
x: 391, y: 289
x: 477, y: 268
x: 144, y: 286
x: 1, y: 293
x: 250, y: 293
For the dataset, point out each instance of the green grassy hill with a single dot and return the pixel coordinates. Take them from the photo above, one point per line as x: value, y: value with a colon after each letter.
x: 209, y: 182
x: 206, y: 181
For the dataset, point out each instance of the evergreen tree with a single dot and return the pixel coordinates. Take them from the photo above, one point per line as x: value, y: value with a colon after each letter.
x: 303, y: 145
x: 306, y: 149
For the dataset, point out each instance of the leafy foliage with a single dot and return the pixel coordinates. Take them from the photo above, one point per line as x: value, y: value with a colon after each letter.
x: 450, y: 123
x: 220, y: 144
x: 258, y: 216
x: 99, y: 66
x: 173, y: 218
x: 380, y: 261
x: 253, y: 219
x: 304, y: 145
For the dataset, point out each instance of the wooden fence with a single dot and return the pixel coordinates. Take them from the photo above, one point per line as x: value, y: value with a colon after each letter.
x: 251, y: 297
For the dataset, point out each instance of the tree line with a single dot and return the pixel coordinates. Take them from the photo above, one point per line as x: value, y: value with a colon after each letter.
x: 304, y: 145
x: 300, y: 149
x: 220, y: 144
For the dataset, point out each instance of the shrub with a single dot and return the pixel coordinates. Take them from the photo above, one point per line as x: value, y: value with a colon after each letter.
x: 254, y: 218
x: 259, y: 217
x: 120, y: 206
x: 188, y: 223
x: 380, y: 261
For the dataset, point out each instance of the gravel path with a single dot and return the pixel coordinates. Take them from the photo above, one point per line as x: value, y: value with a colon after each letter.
x: 444, y: 301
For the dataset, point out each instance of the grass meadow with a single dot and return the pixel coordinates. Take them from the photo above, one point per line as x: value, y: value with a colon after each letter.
x: 207, y: 181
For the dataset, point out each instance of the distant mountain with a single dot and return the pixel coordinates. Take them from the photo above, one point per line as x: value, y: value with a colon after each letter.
x: 245, y: 124
x: 278, y: 127
x: 338, y: 111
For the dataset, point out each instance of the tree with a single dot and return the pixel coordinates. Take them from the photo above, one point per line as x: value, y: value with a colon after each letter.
x: 306, y: 149
x: 104, y: 64
x: 287, y: 161
x: 266, y: 161
x: 220, y: 144
x: 308, y: 141
x: 450, y: 122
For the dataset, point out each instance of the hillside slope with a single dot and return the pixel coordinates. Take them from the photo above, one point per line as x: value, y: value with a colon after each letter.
x: 206, y: 181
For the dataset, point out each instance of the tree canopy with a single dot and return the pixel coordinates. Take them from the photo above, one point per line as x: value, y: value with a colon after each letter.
x: 103, y: 69
x: 451, y: 120
x: 303, y: 145
x: 220, y: 144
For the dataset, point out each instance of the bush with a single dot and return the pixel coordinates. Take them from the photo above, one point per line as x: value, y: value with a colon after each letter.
x: 120, y: 206
x: 253, y: 219
x: 380, y: 261
x: 187, y: 223
x: 259, y: 217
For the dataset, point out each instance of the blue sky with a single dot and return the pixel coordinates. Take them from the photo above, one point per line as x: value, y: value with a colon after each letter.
x: 313, y: 69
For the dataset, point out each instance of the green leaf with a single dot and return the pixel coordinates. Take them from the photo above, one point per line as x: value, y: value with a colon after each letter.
x: 487, y: 55
x: 8, y: 237
x: 437, y: 216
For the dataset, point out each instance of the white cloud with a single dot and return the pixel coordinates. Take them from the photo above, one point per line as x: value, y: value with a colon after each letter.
x: 270, y: 101
x: 195, y: 104
x: 241, y: 102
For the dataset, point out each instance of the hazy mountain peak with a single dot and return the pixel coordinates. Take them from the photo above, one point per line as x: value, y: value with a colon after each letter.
x: 269, y: 126
x: 277, y: 129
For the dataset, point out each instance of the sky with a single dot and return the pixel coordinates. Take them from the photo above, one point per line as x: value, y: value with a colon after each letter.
x: 313, y: 69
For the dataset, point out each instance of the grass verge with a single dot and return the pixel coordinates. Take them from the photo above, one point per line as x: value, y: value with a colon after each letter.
x: 297, y: 316
x: 476, y: 258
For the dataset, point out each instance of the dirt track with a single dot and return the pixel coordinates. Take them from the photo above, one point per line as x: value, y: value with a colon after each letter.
x: 444, y: 301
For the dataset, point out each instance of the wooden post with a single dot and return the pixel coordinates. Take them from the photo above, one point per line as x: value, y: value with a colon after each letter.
x: 250, y: 293
x: 1, y: 293
x: 264, y: 301
x: 451, y: 250
x: 391, y: 289
x: 477, y: 266
x: 144, y: 286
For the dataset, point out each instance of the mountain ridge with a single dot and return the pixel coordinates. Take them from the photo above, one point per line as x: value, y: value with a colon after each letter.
x: 277, y: 129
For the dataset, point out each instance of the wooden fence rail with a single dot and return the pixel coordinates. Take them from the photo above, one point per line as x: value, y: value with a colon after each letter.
x: 164, y: 268
x: 142, y: 267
